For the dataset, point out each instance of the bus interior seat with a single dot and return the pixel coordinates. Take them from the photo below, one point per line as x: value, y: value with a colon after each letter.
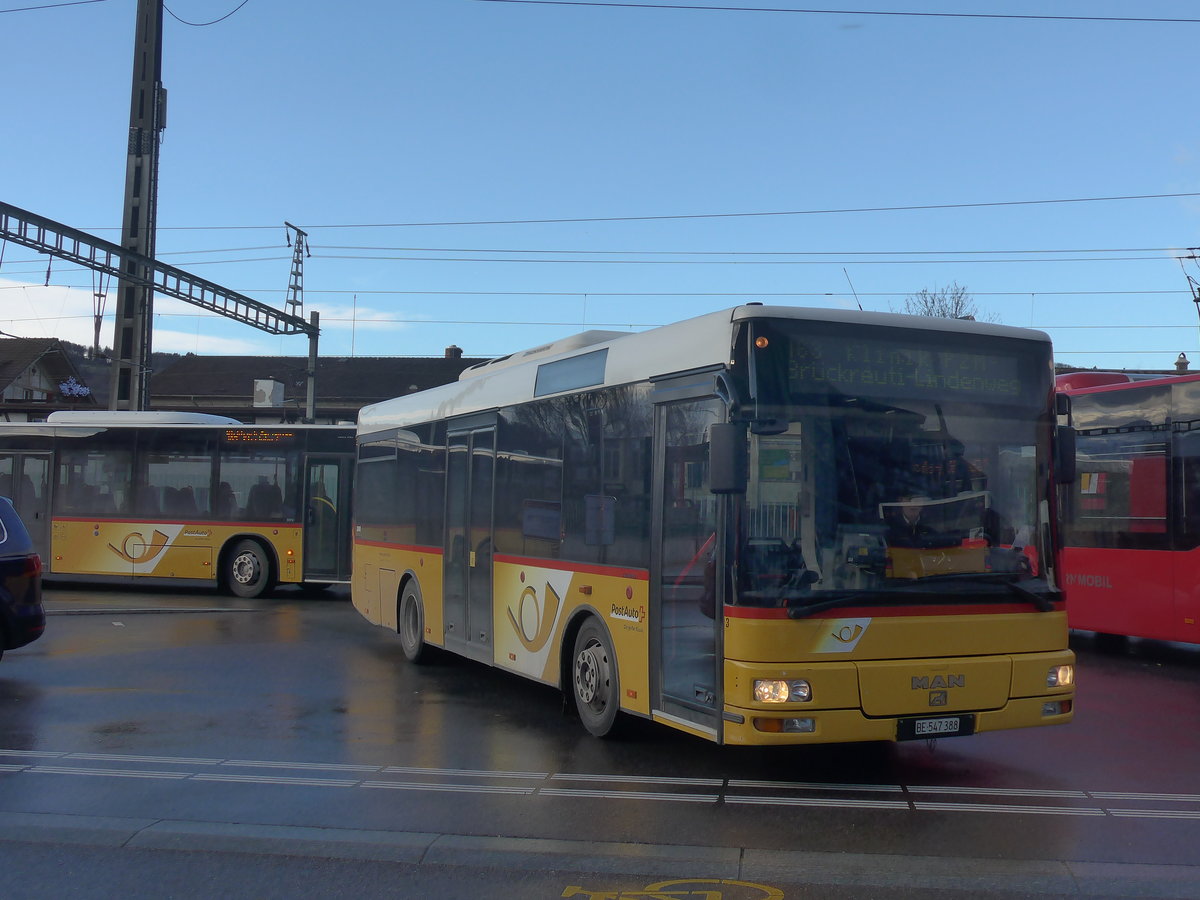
x: 265, y: 501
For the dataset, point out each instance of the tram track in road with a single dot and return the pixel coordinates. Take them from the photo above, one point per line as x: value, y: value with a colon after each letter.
x: 914, y: 799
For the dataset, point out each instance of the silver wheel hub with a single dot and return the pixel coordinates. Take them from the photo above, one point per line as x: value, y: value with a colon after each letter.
x: 245, y: 568
x: 587, y: 674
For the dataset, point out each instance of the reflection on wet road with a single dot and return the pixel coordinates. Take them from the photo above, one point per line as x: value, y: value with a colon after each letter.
x: 294, y: 713
x: 669, y: 789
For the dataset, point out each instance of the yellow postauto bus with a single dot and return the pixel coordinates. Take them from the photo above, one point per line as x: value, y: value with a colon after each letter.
x: 766, y: 525
x: 184, y: 497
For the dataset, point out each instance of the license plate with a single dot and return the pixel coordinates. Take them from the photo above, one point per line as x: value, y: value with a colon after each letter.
x: 942, y: 726
x: 937, y: 726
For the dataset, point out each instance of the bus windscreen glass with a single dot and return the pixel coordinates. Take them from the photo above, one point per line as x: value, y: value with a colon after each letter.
x: 904, y: 469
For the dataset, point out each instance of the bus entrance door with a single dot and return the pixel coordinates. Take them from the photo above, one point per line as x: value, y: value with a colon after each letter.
x: 470, y: 466
x: 25, y: 479
x: 326, y: 525
x: 683, y: 566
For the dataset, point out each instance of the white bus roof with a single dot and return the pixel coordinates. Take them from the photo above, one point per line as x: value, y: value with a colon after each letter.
x: 132, y: 417
x: 692, y: 344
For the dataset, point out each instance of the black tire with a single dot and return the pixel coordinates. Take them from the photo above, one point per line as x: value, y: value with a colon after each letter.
x: 594, y: 681
x: 410, y: 622
x: 248, y: 571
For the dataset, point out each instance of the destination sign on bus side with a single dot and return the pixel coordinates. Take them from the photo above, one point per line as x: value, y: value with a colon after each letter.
x: 258, y: 436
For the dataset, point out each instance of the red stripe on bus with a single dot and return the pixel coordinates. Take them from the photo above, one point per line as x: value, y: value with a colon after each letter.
x: 187, y: 523
x: 582, y: 568
x: 879, y: 612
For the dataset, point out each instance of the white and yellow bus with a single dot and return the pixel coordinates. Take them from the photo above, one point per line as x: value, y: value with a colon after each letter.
x: 188, y: 498
x: 766, y: 525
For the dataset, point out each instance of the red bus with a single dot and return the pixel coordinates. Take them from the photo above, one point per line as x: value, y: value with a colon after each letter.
x: 1131, y: 523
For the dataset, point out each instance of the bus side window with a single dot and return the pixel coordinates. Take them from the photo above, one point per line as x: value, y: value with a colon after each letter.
x: 265, y: 501
x: 226, y: 505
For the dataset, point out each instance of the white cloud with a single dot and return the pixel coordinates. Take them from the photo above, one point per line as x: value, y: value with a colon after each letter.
x: 166, y: 341
x: 31, y: 310
x: 348, y: 318
x: 66, y: 313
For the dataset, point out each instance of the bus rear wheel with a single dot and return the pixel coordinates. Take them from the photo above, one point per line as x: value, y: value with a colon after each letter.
x: 410, y: 623
x: 249, y: 570
x: 594, y: 679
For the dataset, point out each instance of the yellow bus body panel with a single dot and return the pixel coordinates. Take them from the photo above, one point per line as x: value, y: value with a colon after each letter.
x: 157, y: 549
x: 533, y: 604
x: 379, y: 572
x: 867, y: 672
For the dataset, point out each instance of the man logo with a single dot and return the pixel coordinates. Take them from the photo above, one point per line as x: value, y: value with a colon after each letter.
x: 939, y: 698
x: 925, y: 683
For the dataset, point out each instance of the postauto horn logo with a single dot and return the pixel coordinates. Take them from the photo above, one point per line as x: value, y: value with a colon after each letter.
x: 136, y: 549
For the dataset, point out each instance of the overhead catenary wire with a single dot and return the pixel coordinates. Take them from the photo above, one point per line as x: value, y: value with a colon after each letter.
x: 684, y: 216
x: 17, y: 9
x: 848, y: 12
x: 204, y: 24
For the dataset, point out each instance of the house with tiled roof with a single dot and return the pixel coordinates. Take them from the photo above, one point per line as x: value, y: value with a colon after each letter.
x: 274, y: 389
x: 37, y: 376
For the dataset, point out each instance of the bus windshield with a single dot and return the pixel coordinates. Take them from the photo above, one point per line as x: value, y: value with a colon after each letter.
x: 886, y: 470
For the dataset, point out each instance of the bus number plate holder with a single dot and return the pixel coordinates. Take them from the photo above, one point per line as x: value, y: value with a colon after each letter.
x: 935, y: 727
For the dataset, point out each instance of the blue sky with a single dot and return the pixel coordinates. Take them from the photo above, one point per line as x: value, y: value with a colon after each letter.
x: 674, y: 124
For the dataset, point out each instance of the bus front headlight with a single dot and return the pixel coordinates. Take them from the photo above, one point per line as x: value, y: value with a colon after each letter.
x: 1060, y: 676
x: 781, y: 690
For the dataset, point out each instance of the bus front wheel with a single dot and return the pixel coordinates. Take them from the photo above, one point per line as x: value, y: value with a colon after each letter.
x: 410, y: 622
x: 594, y: 679
x: 249, y: 570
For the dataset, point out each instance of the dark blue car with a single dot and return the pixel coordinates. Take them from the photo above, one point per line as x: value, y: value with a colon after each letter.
x: 22, y: 619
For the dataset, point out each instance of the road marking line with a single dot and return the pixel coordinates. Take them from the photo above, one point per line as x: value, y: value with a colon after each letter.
x: 1123, y: 795
x: 815, y: 786
x: 1000, y: 807
x: 48, y: 754
x: 116, y: 757
x: 266, y: 779
x: 1155, y: 813
x: 115, y: 773
x: 463, y: 773
x: 323, y: 767
x: 638, y: 779
x: 999, y: 792
x: 452, y: 788
x: 631, y: 795
x: 744, y: 800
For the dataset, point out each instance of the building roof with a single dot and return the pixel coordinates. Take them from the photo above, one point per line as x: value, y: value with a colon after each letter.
x: 341, y: 381
x: 17, y: 355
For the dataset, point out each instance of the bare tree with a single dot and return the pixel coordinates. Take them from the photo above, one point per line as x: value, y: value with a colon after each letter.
x: 949, y: 302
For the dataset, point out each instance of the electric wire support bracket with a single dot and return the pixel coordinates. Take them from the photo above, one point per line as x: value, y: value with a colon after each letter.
x: 47, y: 236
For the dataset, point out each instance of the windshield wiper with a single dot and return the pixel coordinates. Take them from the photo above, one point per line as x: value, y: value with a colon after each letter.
x: 819, y: 602
x: 798, y: 609
x: 1042, y: 601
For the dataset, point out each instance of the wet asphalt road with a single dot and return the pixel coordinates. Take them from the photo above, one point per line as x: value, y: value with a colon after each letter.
x: 193, y: 733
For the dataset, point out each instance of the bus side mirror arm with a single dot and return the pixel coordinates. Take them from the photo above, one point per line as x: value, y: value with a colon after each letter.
x: 1064, y: 454
x: 728, y: 466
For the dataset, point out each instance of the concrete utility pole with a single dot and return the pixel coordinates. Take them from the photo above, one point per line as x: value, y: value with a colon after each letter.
x: 135, y: 296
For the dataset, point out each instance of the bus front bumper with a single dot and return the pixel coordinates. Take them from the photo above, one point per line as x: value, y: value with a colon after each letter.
x: 820, y: 726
